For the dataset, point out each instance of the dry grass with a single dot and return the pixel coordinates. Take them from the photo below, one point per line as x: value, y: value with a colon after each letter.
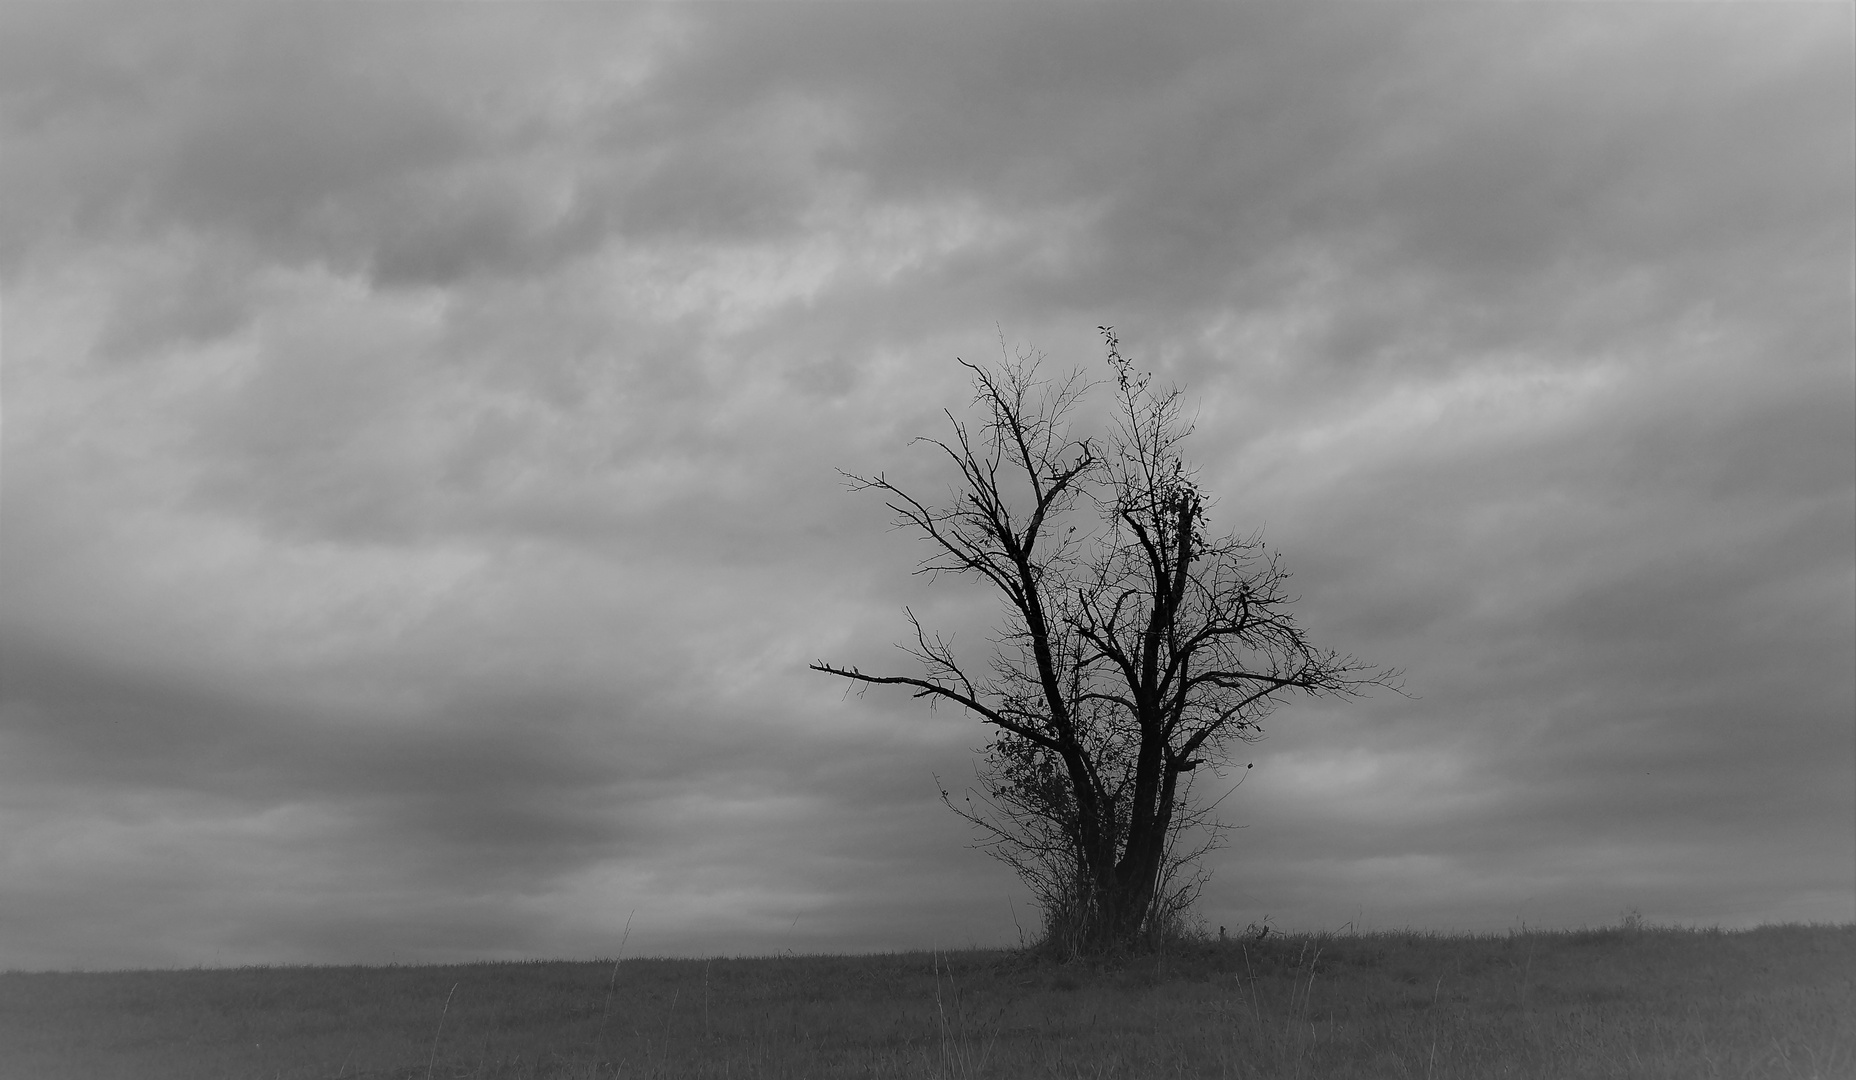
x: 1773, y: 1002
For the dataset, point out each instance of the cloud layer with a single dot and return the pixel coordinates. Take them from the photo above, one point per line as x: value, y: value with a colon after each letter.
x: 419, y: 492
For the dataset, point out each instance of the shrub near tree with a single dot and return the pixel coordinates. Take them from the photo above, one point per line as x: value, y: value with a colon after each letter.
x: 1136, y: 646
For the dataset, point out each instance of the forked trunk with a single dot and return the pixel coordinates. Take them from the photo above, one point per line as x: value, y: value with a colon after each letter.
x: 1112, y: 906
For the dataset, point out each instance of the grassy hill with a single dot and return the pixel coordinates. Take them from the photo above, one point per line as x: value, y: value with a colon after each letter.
x: 1773, y: 1002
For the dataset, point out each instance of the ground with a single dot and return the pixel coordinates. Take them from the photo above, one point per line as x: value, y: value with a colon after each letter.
x: 1626, y: 1002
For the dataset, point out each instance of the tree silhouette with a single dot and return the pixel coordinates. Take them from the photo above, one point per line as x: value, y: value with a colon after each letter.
x: 1135, y: 645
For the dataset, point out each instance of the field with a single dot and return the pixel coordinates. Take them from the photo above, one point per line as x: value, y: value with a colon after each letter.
x: 1773, y: 1002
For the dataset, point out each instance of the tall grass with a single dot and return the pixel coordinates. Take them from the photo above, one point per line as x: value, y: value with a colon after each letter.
x: 1773, y: 1002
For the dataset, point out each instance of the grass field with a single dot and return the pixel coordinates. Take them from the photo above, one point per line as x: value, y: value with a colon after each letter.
x: 1772, y: 1002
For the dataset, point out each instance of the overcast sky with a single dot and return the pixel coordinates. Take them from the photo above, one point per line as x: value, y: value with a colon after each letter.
x: 421, y: 423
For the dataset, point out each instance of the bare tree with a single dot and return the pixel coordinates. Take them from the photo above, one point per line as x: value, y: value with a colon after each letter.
x: 1135, y: 645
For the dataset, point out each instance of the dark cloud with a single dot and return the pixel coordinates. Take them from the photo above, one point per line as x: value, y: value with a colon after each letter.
x: 501, y: 771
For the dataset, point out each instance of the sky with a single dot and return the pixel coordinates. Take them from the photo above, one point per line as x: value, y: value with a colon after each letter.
x: 420, y: 424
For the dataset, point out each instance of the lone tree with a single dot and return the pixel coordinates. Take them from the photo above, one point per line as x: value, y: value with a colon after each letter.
x: 1136, y: 646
